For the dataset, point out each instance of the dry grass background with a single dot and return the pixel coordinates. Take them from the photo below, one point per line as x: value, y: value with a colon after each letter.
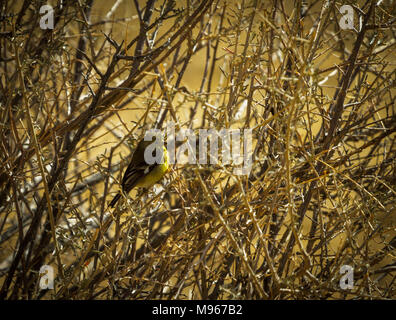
x: 321, y: 193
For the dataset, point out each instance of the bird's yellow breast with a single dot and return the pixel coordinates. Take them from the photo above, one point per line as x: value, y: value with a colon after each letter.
x: 156, y: 174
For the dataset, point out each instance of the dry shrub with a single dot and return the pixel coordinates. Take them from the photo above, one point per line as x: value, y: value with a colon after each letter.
x: 321, y: 193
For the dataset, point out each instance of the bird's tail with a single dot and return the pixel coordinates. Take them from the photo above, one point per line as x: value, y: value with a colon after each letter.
x: 115, y: 199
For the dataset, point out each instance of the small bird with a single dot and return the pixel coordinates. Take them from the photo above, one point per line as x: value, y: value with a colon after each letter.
x: 141, y: 174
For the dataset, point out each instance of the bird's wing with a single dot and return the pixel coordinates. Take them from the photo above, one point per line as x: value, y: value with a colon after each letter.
x: 132, y: 176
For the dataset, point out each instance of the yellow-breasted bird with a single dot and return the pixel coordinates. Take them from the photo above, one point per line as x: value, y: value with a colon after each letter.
x: 141, y: 174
